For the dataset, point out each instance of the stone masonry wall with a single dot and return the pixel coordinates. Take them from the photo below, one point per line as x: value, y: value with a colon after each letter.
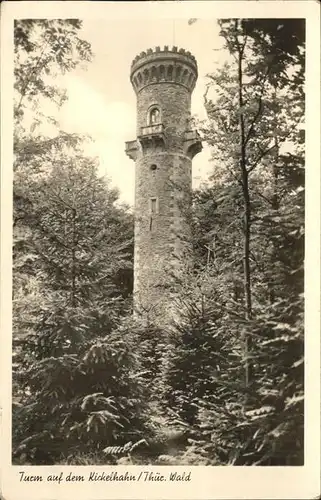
x: 158, y: 236
x: 174, y: 102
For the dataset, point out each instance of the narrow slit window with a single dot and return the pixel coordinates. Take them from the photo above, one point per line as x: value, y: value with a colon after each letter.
x: 153, y: 205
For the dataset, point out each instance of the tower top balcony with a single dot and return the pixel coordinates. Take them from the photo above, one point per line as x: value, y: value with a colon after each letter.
x: 164, y: 65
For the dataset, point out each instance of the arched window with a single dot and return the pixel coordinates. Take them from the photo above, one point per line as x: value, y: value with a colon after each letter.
x: 154, y: 116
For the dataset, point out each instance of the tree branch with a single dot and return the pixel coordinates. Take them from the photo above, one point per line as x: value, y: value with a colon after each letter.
x: 32, y: 73
x: 266, y: 151
x: 260, y: 103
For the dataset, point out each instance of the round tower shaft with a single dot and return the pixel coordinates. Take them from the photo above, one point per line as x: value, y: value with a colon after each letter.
x: 163, y: 81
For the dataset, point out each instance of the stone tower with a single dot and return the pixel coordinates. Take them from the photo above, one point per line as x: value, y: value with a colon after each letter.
x: 163, y: 81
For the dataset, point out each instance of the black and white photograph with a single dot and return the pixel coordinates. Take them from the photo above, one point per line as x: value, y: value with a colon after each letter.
x: 158, y: 243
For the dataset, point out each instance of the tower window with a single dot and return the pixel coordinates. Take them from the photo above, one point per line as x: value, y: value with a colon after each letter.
x: 154, y: 116
x: 153, y: 206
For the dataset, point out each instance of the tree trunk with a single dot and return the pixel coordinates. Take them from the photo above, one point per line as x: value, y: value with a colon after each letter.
x: 73, y: 260
x: 247, y: 277
x: 246, y: 219
x: 275, y: 207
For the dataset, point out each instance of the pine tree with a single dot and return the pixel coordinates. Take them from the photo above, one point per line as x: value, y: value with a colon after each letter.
x: 78, y: 242
x: 195, y: 352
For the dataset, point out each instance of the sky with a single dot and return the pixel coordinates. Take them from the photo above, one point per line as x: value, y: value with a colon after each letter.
x: 101, y: 101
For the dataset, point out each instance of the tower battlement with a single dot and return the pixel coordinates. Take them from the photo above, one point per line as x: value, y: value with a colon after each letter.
x: 164, y: 65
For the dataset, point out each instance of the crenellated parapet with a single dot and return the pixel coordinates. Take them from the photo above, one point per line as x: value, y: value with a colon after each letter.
x: 164, y: 65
